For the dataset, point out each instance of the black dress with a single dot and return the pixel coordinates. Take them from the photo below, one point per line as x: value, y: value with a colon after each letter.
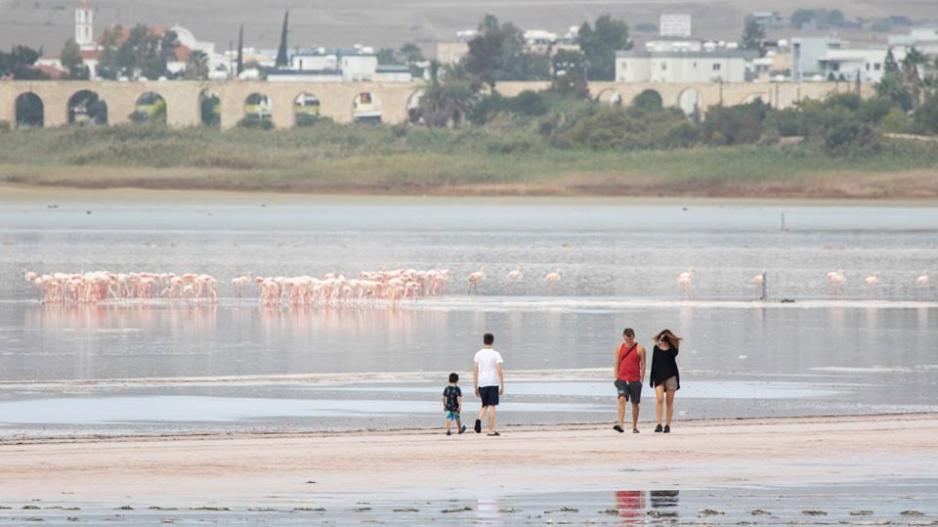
x: 664, y: 366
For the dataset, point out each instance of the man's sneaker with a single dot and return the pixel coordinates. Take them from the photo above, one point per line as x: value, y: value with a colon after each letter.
x: 667, y: 429
x: 463, y: 429
x: 635, y: 430
x: 658, y: 429
x: 449, y: 433
x: 478, y: 426
x: 618, y: 428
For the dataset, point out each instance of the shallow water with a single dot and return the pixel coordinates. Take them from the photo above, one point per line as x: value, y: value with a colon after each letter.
x: 859, y: 350
x: 876, y: 503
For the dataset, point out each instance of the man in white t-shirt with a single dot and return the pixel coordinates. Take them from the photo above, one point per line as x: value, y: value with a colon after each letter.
x: 489, y: 379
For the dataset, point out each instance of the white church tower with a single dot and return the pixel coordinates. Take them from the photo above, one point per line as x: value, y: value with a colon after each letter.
x: 84, y: 25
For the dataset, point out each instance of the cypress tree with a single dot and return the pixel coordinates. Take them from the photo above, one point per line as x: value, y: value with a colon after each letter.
x: 282, y: 51
x: 239, y: 67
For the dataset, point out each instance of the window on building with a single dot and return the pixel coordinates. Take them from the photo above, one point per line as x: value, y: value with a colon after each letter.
x: 877, y: 66
x: 717, y: 66
x: 835, y: 66
x: 695, y: 65
x: 867, y: 66
x: 664, y: 66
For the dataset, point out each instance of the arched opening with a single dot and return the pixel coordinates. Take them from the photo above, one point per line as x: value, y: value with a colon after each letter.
x: 209, y: 108
x: 689, y: 101
x: 366, y: 108
x: 609, y: 96
x: 30, y: 111
x: 149, y: 108
x: 648, y: 100
x: 258, y: 111
x: 306, y: 109
x: 85, y: 107
x: 413, y: 107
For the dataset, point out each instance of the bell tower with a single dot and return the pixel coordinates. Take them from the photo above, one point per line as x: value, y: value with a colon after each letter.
x: 84, y: 25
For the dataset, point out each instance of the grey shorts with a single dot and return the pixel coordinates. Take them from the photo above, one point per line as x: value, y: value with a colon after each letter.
x: 631, y: 390
x: 670, y: 384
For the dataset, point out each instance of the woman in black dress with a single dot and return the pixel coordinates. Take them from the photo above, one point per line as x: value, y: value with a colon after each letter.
x: 665, y: 378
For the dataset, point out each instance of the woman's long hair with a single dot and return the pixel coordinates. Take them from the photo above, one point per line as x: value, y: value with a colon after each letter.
x: 673, y: 340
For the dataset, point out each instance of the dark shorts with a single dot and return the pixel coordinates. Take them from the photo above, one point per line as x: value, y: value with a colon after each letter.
x: 631, y: 390
x: 489, y: 395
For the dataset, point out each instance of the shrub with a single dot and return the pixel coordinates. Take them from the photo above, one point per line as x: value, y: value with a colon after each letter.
x: 851, y: 137
x: 256, y: 123
x: 528, y: 103
x: 926, y: 116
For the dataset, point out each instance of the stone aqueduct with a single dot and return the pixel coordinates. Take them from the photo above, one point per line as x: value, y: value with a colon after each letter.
x: 183, y: 98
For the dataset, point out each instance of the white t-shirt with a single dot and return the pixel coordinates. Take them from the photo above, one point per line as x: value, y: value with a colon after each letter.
x: 487, y: 360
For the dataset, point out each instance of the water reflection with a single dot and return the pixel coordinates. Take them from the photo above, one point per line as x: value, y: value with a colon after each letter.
x: 631, y: 505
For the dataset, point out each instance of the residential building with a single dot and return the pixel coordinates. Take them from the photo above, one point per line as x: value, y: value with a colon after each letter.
x: 217, y: 62
x: 830, y: 58
x: 709, y: 64
x: 451, y: 52
x: 338, y: 65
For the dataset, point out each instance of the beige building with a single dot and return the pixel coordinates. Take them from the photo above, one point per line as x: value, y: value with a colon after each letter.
x: 718, y: 65
x: 451, y: 52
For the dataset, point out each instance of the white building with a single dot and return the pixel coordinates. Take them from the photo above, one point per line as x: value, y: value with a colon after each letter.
x: 924, y: 39
x: 847, y: 64
x: 677, y: 25
x: 337, y: 65
x: 827, y: 58
x: 216, y: 61
x: 705, y: 65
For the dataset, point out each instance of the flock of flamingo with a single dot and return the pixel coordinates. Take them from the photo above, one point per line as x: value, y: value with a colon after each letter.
x: 387, y: 287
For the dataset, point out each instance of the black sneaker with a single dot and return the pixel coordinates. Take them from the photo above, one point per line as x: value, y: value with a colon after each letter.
x: 667, y: 429
x: 658, y: 429
x: 618, y: 428
x: 449, y: 433
x: 478, y: 426
x: 494, y: 434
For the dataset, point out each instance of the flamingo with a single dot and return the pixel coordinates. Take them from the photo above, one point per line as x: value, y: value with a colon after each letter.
x: 759, y: 279
x: 553, y: 278
x: 837, y: 279
x: 686, y: 280
x: 923, y: 281
x: 515, y: 275
x: 872, y: 280
x: 475, y: 279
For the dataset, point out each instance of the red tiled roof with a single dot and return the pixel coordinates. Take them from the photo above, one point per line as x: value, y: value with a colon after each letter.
x: 93, y: 54
x: 182, y: 52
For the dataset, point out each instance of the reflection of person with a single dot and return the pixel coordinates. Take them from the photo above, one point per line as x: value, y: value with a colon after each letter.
x: 629, y: 372
x: 488, y: 377
x: 631, y: 505
x: 452, y: 404
x: 665, y: 378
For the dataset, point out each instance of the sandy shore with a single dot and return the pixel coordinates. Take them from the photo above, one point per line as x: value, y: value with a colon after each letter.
x: 254, y: 469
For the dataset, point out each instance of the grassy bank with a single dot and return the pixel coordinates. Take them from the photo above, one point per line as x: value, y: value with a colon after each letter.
x: 481, y: 160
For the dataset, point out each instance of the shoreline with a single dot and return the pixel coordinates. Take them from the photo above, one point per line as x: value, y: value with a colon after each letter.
x: 40, y: 193
x: 254, y: 469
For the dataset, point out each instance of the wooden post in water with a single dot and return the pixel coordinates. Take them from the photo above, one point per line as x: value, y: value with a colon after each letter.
x: 783, y: 222
x: 765, y: 287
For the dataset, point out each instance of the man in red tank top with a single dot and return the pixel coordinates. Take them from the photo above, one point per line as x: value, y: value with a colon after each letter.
x: 629, y: 372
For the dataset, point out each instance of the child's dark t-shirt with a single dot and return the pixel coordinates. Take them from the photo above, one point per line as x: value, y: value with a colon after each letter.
x: 452, y: 395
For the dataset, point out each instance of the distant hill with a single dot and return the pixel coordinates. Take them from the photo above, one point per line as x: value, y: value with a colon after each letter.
x: 48, y: 23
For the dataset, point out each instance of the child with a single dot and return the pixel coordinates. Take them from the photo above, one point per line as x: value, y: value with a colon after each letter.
x: 452, y: 404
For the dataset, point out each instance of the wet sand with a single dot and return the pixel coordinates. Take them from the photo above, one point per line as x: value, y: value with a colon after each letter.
x: 249, y: 469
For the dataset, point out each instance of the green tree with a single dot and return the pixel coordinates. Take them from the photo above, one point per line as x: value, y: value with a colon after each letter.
x: 144, y: 53
x: 239, y: 64
x: 599, y: 45
x: 753, y: 37
x: 196, y: 66
x: 926, y: 115
x: 282, y: 59
x: 492, y: 52
x: 18, y: 63
x: 889, y: 63
x: 386, y: 56
x: 412, y: 55
x: 446, y: 103
x: 72, y: 61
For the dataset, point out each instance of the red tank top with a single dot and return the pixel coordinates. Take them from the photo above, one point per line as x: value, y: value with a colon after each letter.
x: 629, y: 363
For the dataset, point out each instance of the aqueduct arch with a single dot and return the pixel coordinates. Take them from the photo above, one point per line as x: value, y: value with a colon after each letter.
x: 30, y: 110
